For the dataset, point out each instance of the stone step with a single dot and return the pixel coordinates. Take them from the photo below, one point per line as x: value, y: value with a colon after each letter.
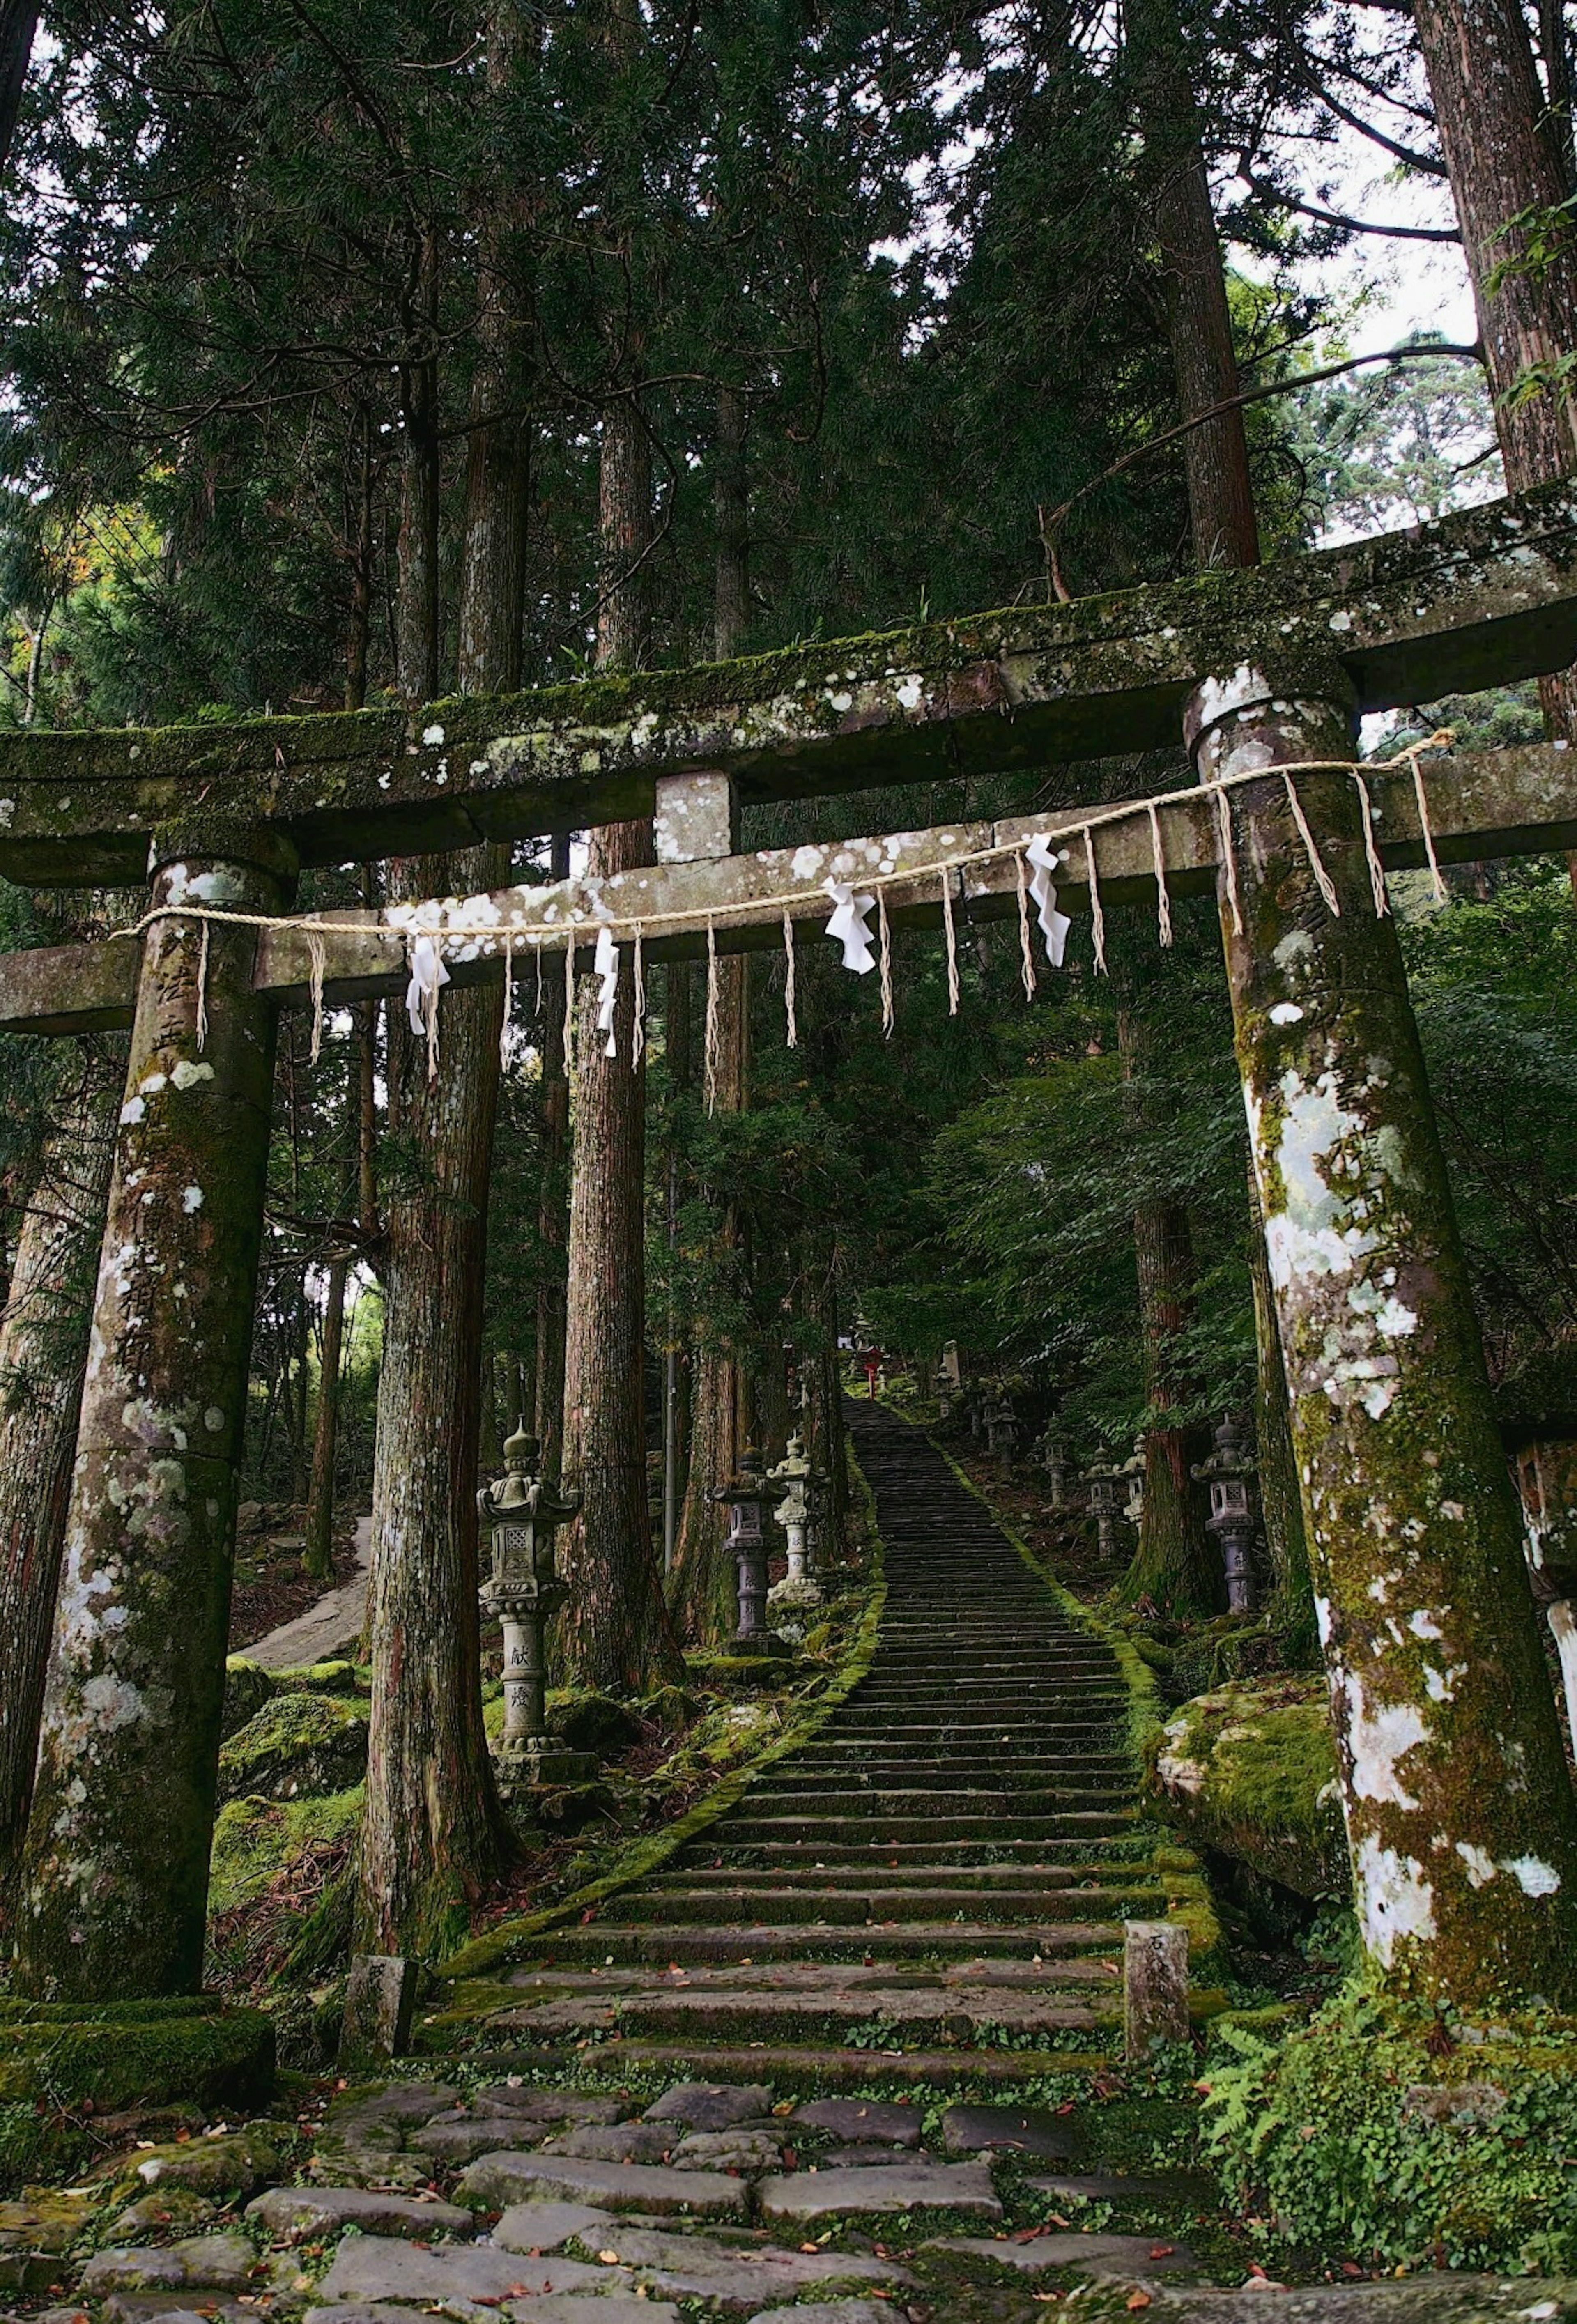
x: 826, y: 2067
x: 959, y: 2014
x: 808, y: 1901
x: 969, y: 1878
x: 745, y: 1942
x: 833, y: 1802
x: 882, y: 1830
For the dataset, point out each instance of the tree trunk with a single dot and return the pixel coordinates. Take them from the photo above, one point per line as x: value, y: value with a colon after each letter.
x: 318, y: 1561
x: 1291, y: 1597
x: 418, y: 626
x: 493, y: 582
x: 615, y: 1631
x: 1220, y: 499
x: 553, y: 1201
x: 432, y: 1830
x: 1557, y: 57
x: 1174, y: 1567
x: 732, y: 511
x: 1503, y: 158
x: 18, y: 23
x: 703, y: 1589
x: 358, y: 627
x: 1225, y: 532
x: 43, y: 1351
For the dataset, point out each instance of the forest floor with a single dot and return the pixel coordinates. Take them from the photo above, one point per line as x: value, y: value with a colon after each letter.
x: 270, y: 1586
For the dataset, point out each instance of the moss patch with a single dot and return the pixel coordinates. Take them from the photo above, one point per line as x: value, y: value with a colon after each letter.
x: 1250, y: 1770
x: 1386, y: 2132
x: 59, y: 2060
x: 296, y: 1745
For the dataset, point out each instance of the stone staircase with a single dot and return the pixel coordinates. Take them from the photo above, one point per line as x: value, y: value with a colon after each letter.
x: 938, y: 1881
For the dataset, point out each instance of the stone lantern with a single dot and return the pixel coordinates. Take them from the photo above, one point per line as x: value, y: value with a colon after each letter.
x: 1106, y: 1498
x: 1002, y: 1429
x: 747, y: 1498
x: 1234, y: 1516
x: 522, y: 1515
x: 1054, y: 1459
x: 791, y: 1477
x: 1134, y: 1468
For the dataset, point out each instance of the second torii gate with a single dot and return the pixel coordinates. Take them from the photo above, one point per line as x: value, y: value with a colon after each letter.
x: 1459, y: 1810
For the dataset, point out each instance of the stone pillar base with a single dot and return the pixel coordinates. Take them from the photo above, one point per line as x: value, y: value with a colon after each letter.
x: 758, y: 1642
x: 532, y: 1766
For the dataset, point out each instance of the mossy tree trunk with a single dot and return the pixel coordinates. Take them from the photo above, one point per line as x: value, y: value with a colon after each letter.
x: 43, y: 1354
x: 116, y: 1863
x: 703, y: 1589
x: 615, y: 1631
x: 1460, y: 1818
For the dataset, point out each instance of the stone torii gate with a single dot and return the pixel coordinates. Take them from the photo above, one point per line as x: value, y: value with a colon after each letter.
x: 1459, y: 1810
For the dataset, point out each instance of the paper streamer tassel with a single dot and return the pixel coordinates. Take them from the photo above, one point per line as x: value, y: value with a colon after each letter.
x: 428, y: 974
x: 1043, y: 859
x: 849, y: 925
x: 606, y: 966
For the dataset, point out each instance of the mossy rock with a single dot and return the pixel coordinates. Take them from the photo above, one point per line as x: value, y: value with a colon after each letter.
x: 298, y: 1746
x: 247, y: 1687
x: 594, y: 1722
x: 337, y: 1677
x: 1249, y: 1770
x: 255, y: 1841
x: 742, y: 1670
x: 59, y: 2058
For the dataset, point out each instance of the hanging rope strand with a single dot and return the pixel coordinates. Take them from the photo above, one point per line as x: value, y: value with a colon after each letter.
x: 202, y: 991
x: 506, y: 1028
x: 1223, y: 824
x: 1025, y: 953
x: 886, y: 962
x: 952, y: 940
x: 1332, y: 903
x: 1377, y: 875
x: 1437, y: 885
x: 712, y: 1017
x: 793, y: 1040
x: 569, y: 1006
x: 1097, y: 916
x: 1163, y: 900
x: 637, y: 1034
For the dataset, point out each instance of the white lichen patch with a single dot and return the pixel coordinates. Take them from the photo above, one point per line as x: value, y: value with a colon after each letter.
x: 1176, y: 1771
x: 1377, y: 1740
x: 1395, y: 1902
x: 192, y: 1199
x: 1533, y: 1876
x: 1286, y: 1012
x: 187, y: 1075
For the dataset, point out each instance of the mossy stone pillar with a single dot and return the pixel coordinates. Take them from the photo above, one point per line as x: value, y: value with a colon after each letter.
x: 1460, y: 1812
x: 117, y: 1868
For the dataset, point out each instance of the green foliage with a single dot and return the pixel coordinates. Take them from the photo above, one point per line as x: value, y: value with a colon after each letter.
x: 297, y: 1745
x: 1378, y: 2132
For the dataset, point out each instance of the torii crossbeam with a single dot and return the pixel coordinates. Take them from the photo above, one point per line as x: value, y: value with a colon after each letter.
x: 1426, y: 1614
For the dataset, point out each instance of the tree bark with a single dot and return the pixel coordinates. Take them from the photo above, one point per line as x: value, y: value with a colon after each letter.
x: 704, y: 1587
x: 18, y: 23
x: 1503, y: 158
x: 730, y: 505
x: 493, y: 582
x: 553, y: 1201
x: 43, y: 1354
x: 1220, y: 498
x: 318, y: 1561
x: 418, y: 626
x: 432, y: 1830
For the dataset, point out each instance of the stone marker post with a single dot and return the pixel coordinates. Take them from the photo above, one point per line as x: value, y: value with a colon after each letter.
x: 1155, y: 1986
x: 1460, y: 1812
x: 117, y: 1852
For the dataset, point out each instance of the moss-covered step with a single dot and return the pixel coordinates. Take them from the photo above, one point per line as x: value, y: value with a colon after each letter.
x: 1249, y: 1770
x: 59, y: 2061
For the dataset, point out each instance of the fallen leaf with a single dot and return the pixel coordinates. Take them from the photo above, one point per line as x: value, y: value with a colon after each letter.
x: 1137, y: 2299
x: 1164, y: 2251
x: 608, y: 2258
